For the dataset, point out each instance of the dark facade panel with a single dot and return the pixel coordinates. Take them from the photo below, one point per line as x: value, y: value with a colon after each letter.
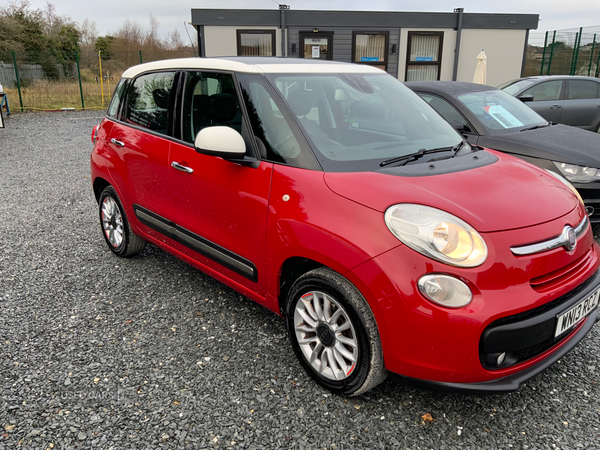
x: 501, y: 21
x: 342, y: 43
x: 239, y: 17
x: 372, y: 19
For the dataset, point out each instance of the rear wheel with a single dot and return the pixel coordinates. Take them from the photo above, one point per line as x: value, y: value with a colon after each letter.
x: 333, y: 333
x: 115, y: 227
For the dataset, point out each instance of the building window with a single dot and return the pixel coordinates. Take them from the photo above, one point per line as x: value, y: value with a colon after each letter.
x: 370, y: 48
x: 256, y: 42
x: 424, y: 55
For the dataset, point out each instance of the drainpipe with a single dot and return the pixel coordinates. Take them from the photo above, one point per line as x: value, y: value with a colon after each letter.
x: 459, y: 27
x: 282, y: 8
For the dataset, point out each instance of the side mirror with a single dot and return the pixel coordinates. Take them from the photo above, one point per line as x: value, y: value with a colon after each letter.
x: 526, y: 98
x: 223, y: 142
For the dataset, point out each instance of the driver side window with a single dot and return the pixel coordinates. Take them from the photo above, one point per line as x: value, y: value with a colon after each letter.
x: 209, y: 100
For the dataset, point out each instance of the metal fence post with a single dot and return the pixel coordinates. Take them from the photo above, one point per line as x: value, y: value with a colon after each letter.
x: 551, y: 52
x: 141, y: 62
x: 592, y: 55
x: 544, y: 54
x: 598, y: 66
x: 101, y: 79
x: 18, y: 80
x: 79, y: 76
x: 576, y: 52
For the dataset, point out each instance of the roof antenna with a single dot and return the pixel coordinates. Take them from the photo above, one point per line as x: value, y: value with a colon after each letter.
x: 189, y: 37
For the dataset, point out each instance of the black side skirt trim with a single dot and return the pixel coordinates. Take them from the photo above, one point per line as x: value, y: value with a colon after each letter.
x: 197, y: 243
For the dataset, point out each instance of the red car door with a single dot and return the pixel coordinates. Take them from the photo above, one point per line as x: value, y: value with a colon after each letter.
x: 143, y: 148
x: 221, y: 206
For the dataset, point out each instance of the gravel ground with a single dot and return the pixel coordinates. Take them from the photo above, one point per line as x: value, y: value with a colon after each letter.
x: 101, y: 352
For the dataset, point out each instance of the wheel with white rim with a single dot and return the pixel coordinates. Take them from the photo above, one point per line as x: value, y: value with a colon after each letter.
x: 333, y: 332
x: 115, y: 228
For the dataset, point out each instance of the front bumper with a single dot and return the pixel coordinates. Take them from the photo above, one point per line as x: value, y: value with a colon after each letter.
x: 425, y: 341
x: 513, y: 382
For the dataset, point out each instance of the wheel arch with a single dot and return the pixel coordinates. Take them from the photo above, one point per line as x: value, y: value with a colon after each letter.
x: 99, y: 185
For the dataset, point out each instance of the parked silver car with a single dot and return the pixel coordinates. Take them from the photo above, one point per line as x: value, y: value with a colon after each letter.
x: 565, y: 99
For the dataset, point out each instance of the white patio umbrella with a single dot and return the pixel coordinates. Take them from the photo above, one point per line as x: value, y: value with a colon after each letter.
x: 481, y: 69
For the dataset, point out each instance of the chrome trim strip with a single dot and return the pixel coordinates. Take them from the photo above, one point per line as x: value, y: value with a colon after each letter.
x: 558, y: 241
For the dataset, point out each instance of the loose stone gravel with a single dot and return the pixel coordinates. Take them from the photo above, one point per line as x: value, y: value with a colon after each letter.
x: 149, y: 353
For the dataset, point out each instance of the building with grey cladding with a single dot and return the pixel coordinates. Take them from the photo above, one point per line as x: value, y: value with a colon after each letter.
x: 412, y: 46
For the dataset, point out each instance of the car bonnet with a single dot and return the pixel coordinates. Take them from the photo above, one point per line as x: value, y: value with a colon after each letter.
x: 507, y: 194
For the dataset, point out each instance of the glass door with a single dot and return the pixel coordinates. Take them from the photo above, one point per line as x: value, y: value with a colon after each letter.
x: 316, y: 46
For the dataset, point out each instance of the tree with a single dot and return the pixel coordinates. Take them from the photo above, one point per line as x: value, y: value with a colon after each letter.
x: 103, y: 44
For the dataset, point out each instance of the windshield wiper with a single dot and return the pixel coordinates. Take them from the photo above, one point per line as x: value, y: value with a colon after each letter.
x: 414, y: 156
x: 537, y: 126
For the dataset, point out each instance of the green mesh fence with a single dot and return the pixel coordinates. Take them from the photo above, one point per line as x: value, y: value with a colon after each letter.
x: 564, y: 52
x: 80, y: 80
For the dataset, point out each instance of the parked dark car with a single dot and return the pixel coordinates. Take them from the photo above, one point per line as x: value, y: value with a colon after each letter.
x: 493, y: 119
x: 569, y: 100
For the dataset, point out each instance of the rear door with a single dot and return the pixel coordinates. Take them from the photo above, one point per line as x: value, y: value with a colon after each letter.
x: 142, y: 141
x: 547, y: 99
x: 582, y: 104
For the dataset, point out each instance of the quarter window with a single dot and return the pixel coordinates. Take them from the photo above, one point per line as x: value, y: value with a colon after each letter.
x: 149, y: 100
x: 256, y: 42
x: 424, y: 55
x: 113, y: 108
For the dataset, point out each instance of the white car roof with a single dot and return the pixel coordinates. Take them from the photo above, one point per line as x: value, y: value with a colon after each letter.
x: 252, y: 65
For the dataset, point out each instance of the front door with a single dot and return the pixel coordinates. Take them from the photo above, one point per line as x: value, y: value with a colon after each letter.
x: 316, y: 46
x: 221, y: 206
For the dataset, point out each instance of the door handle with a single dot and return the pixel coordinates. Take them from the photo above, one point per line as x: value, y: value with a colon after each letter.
x: 117, y: 143
x: 555, y: 107
x: 176, y: 165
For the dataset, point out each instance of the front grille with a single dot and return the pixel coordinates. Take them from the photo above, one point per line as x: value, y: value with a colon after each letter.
x: 563, y: 275
x: 530, y: 333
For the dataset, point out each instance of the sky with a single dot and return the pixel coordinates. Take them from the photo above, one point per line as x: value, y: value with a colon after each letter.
x: 109, y: 15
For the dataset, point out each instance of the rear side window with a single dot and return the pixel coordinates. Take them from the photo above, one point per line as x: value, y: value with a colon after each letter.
x: 582, y: 89
x: 149, y: 100
x: 113, y: 107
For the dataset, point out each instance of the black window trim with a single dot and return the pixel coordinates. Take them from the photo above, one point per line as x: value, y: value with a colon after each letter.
x: 424, y: 63
x: 239, y: 33
x: 386, y: 48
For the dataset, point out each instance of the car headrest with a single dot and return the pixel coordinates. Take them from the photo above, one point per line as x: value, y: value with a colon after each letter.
x: 161, y: 98
x: 223, y: 107
x: 300, y: 102
x: 201, y: 105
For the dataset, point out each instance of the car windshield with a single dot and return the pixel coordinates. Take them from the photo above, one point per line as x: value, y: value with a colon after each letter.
x: 512, y: 87
x: 499, y: 112
x: 360, y: 120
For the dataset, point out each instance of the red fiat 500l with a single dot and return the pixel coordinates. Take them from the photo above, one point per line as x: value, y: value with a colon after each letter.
x: 334, y: 196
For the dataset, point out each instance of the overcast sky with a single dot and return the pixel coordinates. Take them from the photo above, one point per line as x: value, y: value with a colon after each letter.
x: 171, y: 14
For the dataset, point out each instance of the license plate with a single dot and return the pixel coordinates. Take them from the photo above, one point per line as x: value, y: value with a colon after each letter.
x: 570, y: 318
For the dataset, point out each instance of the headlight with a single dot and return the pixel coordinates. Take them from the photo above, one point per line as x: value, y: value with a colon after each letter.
x: 436, y: 234
x: 578, y: 174
x: 566, y: 183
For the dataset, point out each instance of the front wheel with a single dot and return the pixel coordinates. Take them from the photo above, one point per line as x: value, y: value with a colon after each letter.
x: 115, y: 227
x: 333, y: 333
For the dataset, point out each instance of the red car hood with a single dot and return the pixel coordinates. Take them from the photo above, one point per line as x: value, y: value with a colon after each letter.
x: 507, y: 194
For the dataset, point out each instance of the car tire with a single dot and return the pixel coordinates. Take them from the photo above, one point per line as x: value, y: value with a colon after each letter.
x: 333, y: 333
x: 115, y: 227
